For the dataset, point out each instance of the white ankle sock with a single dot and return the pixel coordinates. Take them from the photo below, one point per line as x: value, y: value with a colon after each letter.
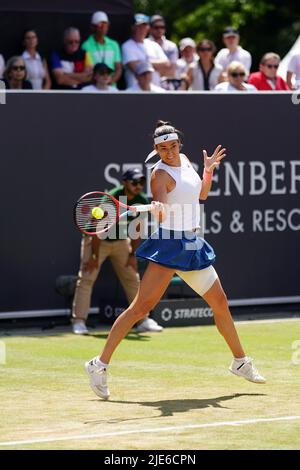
x: 101, y: 364
x: 240, y: 359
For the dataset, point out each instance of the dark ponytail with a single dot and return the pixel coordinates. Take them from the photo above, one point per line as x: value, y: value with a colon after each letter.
x: 165, y: 127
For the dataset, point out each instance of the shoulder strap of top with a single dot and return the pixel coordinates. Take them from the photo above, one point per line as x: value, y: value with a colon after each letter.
x: 163, y: 166
x: 160, y: 166
x: 185, y: 160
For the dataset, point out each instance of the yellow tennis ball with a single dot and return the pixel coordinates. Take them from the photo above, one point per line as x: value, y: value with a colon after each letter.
x: 97, y: 212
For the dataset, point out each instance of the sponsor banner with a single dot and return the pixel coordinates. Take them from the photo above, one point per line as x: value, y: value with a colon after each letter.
x: 183, y: 312
x: 109, y: 312
x: 251, y: 217
x: 177, y: 312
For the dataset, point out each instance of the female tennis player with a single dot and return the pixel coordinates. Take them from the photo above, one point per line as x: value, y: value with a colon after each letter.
x: 176, y: 247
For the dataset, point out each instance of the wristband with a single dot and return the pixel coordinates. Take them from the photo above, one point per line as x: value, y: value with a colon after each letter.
x: 207, y: 176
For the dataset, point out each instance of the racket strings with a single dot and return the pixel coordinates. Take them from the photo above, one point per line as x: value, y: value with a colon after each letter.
x: 85, y: 219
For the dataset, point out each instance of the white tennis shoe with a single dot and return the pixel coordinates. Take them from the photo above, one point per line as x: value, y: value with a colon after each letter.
x: 98, y: 378
x: 79, y: 327
x: 247, y: 370
x: 148, y: 324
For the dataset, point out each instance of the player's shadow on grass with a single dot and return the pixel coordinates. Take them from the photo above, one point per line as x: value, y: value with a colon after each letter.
x: 170, y: 407
x: 132, y: 336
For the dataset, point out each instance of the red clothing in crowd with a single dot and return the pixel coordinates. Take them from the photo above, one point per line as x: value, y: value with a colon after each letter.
x: 260, y: 81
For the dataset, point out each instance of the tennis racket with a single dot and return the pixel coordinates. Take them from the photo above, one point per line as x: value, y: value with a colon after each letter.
x: 97, y: 212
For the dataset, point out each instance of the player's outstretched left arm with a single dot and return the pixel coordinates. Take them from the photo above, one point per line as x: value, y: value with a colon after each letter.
x: 210, y: 164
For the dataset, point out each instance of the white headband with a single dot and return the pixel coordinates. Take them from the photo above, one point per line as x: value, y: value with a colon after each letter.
x: 165, y: 138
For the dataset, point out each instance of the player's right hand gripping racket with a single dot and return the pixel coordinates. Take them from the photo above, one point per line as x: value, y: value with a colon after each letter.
x: 96, y: 212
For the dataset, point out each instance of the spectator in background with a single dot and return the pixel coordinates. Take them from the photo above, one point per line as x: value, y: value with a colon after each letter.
x: 37, y: 69
x: 15, y: 75
x: 293, y: 71
x: 157, y: 34
x: 204, y: 74
x: 71, y: 67
x: 236, y: 73
x: 120, y: 250
x: 267, y: 78
x: 2, y: 65
x: 187, y: 47
x: 101, y: 48
x: 143, y: 73
x: 233, y: 51
x: 139, y: 49
x: 101, y: 80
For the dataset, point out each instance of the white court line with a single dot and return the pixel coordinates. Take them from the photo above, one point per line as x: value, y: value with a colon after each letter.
x: 152, y: 430
x: 274, y: 320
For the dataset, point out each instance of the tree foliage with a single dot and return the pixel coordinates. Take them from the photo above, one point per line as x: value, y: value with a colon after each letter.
x: 264, y: 25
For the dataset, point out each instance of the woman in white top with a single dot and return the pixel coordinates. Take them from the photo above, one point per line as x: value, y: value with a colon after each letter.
x: 37, y: 69
x: 236, y: 75
x: 176, y: 247
x: 187, y: 47
x: 204, y: 74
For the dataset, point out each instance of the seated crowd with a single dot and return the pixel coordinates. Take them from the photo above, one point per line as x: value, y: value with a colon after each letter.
x: 149, y: 60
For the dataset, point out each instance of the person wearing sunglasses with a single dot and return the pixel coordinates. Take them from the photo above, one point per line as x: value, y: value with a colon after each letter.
x: 15, y: 75
x: 141, y: 49
x: 233, y: 51
x: 121, y: 252
x: 236, y: 75
x: 71, y: 67
x: 157, y: 34
x: 267, y: 79
x: 36, y: 66
x: 204, y: 74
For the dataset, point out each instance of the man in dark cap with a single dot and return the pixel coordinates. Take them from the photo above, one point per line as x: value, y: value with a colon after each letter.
x: 233, y: 51
x: 101, y: 80
x: 121, y: 251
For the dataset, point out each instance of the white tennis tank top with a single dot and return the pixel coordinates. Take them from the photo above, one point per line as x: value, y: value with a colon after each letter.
x: 183, y: 208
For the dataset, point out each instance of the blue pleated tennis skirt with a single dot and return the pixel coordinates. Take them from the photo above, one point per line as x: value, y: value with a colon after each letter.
x: 183, y: 251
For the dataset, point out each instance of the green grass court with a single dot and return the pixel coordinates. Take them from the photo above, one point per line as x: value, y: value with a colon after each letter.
x: 168, y: 391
